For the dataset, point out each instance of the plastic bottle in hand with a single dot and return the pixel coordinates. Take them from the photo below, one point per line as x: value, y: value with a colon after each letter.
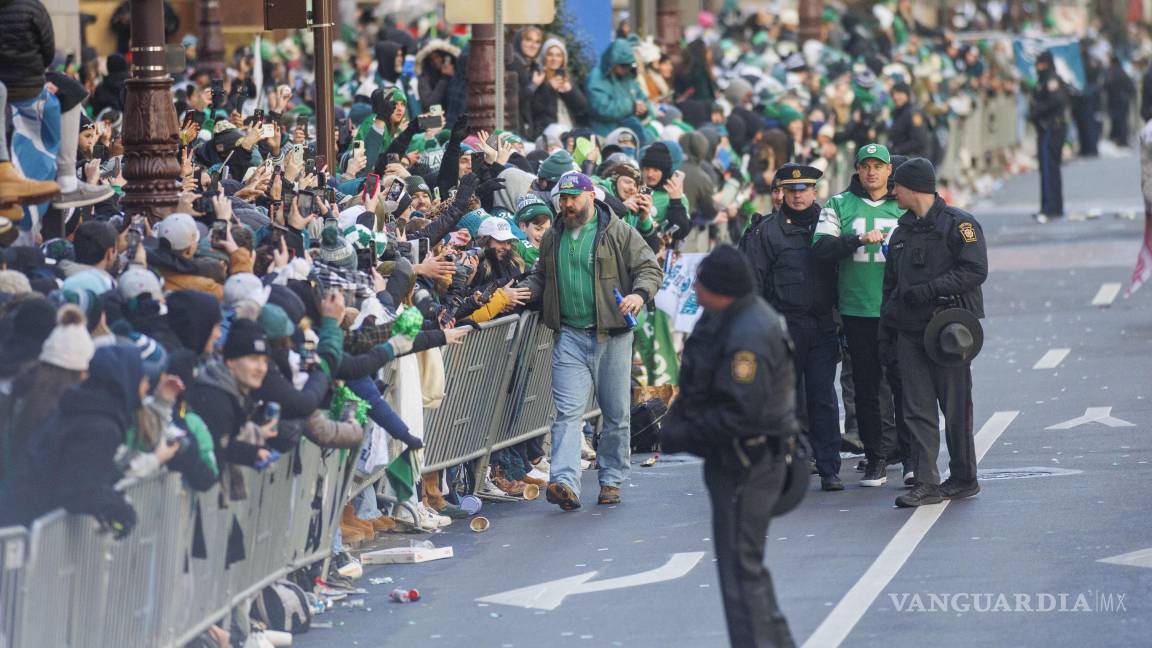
x: 629, y: 318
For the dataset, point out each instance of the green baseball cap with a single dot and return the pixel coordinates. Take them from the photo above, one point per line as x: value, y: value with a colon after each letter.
x: 873, y: 152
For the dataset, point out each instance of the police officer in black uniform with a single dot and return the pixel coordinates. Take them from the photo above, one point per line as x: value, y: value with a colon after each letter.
x: 777, y: 201
x: 736, y: 409
x: 803, y: 289
x: 1048, y: 111
x: 936, y: 256
x: 908, y: 134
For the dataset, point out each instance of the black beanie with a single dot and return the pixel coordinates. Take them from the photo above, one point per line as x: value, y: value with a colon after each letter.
x: 916, y: 174
x: 658, y: 157
x: 725, y: 272
x: 245, y: 338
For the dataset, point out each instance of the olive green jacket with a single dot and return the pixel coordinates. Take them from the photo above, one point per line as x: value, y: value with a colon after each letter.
x: 623, y: 260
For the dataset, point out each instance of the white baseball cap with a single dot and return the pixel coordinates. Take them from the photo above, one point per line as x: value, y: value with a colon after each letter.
x: 136, y: 281
x: 496, y: 228
x: 245, y: 286
x: 179, y: 230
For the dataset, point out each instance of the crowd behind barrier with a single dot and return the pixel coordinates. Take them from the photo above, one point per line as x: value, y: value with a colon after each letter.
x: 61, y: 584
x: 187, y: 563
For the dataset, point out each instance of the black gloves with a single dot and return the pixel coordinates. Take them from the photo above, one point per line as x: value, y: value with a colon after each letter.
x: 466, y: 189
x: 917, y: 295
x: 490, y: 186
x: 460, y: 128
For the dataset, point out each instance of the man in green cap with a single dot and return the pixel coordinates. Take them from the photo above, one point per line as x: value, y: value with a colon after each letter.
x: 417, y: 188
x: 852, y: 226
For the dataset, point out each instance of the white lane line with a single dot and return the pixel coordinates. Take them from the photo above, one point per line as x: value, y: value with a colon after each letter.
x: 1106, y: 295
x: 848, y: 612
x: 1052, y: 359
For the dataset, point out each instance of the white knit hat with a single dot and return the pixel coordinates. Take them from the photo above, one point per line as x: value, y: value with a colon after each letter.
x: 69, y: 346
x: 14, y: 283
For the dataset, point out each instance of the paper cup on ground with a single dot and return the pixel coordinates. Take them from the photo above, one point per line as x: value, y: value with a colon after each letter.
x: 479, y: 524
x: 531, y: 491
x: 471, y: 504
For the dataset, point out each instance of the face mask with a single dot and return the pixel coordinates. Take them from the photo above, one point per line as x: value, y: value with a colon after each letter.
x: 630, y: 151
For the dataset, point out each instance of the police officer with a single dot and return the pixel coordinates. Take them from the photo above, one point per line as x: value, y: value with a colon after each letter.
x: 803, y: 289
x: 909, y: 133
x: 736, y: 409
x: 936, y: 256
x: 777, y: 200
x: 1048, y: 113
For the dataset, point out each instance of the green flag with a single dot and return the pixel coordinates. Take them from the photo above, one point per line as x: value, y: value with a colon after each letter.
x: 402, y: 475
x: 654, y: 344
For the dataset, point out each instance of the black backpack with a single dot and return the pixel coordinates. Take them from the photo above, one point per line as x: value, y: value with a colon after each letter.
x: 646, y: 419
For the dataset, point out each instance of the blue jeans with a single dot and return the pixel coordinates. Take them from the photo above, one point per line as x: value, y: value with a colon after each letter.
x: 582, y: 362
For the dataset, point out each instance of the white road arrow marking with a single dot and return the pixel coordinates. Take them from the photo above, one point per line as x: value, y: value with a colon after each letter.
x: 1092, y: 415
x: 1106, y: 295
x: 1142, y: 558
x: 549, y: 596
x: 1052, y: 359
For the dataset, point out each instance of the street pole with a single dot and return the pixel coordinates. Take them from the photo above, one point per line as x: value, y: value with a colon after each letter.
x: 210, y: 50
x: 482, y: 78
x: 668, y: 27
x: 501, y: 74
x: 322, y: 25
x: 151, y: 134
x: 811, y: 19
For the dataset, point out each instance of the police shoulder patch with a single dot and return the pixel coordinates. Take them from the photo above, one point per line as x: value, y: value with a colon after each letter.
x: 917, y: 120
x: 1053, y: 85
x: 744, y: 367
x: 968, y: 231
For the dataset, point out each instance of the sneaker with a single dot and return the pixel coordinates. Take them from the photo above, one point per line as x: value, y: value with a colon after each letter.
x: 15, y: 188
x: 336, y: 583
x: 909, y: 478
x: 83, y: 195
x: 328, y: 591
x: 955, y: 489
x: 490, y: 488
x: 919, y: 496
x: 1040, y: 218
x: 609, y: 495
x: 454, y: 512
x: 874, y: 475
x: 425, y: 517
x: 562, y: 495
x: 432, y: 519
x: 535, y: 481
x: 831, y: 483
x: 542, y: 464
x: 536, y: 473
x: 587, y: 452
x: 347, y: 566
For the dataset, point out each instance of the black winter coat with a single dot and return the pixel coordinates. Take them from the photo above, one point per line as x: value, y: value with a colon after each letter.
x: 945, y: 251
x: 27, y: 46
x: 788, y: 274
x: 544, y: 107
x: 737, y: 381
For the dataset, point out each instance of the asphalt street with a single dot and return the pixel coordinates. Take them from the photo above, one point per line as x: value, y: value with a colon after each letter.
x: 1063, y: 410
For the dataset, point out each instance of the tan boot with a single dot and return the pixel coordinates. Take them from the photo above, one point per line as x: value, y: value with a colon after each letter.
x: 349, y: 522
x: 383, y: 524
x: 16, y: 188
x: 431, y: 487
x: 513, y: 488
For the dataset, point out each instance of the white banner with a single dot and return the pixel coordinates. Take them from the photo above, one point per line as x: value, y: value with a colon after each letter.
x: 676, y: 296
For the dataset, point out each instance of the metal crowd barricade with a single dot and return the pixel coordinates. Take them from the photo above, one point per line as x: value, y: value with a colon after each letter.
x: 476, y: 378
x: 13, y: 554
x: 65, y: 584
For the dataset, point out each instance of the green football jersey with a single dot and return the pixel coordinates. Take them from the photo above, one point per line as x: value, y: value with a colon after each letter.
x: 861, y: 282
